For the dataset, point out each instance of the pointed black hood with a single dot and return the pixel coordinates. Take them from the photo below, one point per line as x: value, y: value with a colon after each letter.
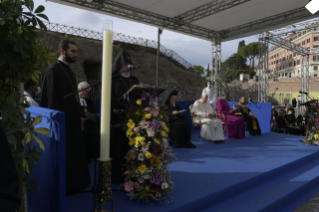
x: 121, y: 59
x: 171, y: 93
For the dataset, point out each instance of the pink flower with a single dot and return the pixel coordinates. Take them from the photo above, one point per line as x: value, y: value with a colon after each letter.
x: 165, y: 144
x: 129, y: 186
x: 145, y: 148
x: 137, y: 186
x: 147, y: 109
x: 313, y: 128
x: 136, y: 129
x: 154, y: 112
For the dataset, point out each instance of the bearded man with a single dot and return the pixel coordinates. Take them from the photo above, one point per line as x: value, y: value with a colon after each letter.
x: 58, y: 81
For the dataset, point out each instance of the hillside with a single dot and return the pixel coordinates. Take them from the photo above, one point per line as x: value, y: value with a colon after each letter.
x: 171, y: 75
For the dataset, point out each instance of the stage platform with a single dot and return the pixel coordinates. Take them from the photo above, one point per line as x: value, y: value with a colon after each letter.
x: 273, y: 173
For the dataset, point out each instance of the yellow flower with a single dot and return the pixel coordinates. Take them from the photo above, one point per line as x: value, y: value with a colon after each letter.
x: 142, y: 168
x: 139, y: 102
x: 163, y: 133
x: 165, y: 128
x: 157, y: 141
x: 155, y: 162
x: 130, y: 124
x: 161, y: 116
x: 140, y: 140
x: 132, y: 141
x: 316, y: 136
x: 148, y: 155
x: 148, y: 116
x: 129, y: 133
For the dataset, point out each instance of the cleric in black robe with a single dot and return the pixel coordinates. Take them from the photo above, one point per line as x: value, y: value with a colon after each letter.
x: 121, y: 83
x: 179, y: 131
x: 252, y: 121
x: 59, y: 81
x: 90, y: 123
x: 9, y: 179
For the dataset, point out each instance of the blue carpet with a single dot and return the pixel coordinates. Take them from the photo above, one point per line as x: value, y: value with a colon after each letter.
x: 272, y: 172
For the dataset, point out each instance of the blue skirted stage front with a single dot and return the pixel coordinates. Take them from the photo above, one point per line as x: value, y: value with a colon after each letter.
x: 272, y: 172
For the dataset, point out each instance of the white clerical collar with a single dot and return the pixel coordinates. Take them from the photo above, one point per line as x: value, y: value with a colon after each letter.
x: 28, y: 94
x: 63, y: 62
x: 83, y: 102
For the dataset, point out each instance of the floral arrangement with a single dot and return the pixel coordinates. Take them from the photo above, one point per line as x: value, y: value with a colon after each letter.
x: 313, y: 125
x: 147, y: 176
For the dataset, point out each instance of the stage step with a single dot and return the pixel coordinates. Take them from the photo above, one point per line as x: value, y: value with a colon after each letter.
x: 280, y: 189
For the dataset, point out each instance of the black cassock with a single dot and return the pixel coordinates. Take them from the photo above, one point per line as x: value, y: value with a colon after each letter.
x: 179, y: 131
x: 9, y: 179
x: 91, y: 130
x: 58, y: 81
x: 252, y: 123
x: 119, y: 144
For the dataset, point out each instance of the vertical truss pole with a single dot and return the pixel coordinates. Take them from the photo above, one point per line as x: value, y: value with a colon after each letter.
x: 307, y: 77
x: 266, y: 71
x: 302, y: 76
x: 216, y: 61
x: 260, y: 62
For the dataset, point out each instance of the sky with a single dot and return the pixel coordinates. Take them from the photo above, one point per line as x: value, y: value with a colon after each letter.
x: 194, y: 50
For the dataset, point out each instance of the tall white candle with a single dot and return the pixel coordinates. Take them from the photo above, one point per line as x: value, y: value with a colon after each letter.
x: 106, y: 91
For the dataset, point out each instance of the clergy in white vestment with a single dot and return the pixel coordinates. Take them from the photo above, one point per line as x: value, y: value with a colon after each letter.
x: 212, y: 128
x: 211, y: 93
x: 31, y: 89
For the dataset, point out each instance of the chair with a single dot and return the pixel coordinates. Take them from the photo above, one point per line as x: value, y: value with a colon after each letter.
x: 221, y: 114
x: 193, y: 115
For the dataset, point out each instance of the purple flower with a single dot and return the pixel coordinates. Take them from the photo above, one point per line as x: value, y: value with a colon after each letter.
x: 147, y: 94
x: 137, y: 186
x: 152, y: 99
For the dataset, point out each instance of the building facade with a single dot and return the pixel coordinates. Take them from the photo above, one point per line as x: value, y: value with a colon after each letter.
x: 287, y: 64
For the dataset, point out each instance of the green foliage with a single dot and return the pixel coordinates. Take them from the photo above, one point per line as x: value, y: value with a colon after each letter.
x: 197, y: 69
x: 21, y: 54
x: 250, y: 51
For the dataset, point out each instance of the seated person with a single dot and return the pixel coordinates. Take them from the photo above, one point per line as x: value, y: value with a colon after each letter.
x: 179, y: 131
x: 274, y: 115
x: 291, y: 118
x: 302, y: 121
x: 90, y: 125
x: 281, y: 121
x: 31, y: 89
x: 212, y: 129
x: 235, y: 126
x: 250, y: 119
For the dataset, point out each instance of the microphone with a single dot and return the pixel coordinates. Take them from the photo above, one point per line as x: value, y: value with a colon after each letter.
x: 303, y: 92
x: 131, y: 67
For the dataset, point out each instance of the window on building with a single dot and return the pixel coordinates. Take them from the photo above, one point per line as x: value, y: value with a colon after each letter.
x: 315, y: 68
x: 294, y: 63
x: 298, y: 62
x: 304, y: 32
x: 290, y: 64
x: 308, y: 40
x: 295, y: 54
x: 316, y: 38
x: 316, y: 46
x: 283, y: 66
x: 315, y: 75
x: 285, y: 74
x: 290, y: 56
x: 299, y: 34
x: 303, y: 43
x: 315, y: 58
x: 277, y: 55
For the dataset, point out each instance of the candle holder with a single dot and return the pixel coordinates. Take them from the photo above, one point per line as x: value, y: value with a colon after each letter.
x: 104, y: 186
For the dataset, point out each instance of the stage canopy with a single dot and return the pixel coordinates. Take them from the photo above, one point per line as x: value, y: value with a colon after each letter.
x: 205, y: 19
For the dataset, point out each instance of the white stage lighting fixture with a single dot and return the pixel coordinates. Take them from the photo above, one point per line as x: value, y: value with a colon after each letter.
x: 313, y: 6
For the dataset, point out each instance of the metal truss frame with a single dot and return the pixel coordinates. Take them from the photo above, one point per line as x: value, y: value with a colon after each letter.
x: 182, y: 23
x: 208, y: 9
x: 292, y: 15
x: 263, y: 70
x: 216, y: 62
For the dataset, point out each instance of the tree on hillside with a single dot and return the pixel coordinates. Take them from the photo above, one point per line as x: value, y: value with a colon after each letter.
x: 198, y: 69
x: 249, y: 51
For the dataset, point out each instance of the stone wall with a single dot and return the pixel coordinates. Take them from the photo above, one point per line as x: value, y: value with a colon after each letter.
x: 171, y: 75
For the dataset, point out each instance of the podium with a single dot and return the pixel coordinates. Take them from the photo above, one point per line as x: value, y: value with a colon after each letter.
x: 136, y: 90
x: 308, y: 106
